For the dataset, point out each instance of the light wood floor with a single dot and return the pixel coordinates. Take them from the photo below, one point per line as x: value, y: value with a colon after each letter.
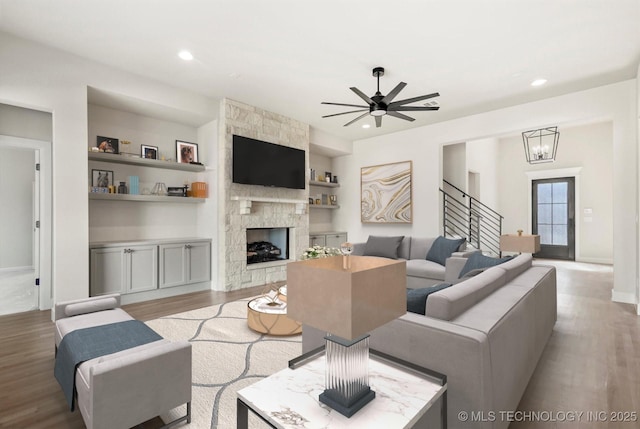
x: 591, y: 363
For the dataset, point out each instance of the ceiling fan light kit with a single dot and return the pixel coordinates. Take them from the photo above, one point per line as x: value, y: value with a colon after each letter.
x: 380, y: 105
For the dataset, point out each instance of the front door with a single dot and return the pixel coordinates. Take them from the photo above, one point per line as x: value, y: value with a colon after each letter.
x: 553, y: 213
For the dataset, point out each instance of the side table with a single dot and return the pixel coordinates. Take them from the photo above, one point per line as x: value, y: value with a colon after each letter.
x: 271, y: 319
x: 288, y: 399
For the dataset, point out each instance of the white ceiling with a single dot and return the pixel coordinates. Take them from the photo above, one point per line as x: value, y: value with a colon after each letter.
x: 287, y: 56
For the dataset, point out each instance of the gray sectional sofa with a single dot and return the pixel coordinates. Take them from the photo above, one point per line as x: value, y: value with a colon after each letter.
x: 420, y: 271
x: 486, y: 334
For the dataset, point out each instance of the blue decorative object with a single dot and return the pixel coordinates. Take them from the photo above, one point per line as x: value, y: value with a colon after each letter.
x: 417, y: 298
x: 477, y: 261
x: 442, y: 248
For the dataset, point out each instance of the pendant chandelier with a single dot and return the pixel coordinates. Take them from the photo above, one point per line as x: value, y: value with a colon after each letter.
x: 541, y: 145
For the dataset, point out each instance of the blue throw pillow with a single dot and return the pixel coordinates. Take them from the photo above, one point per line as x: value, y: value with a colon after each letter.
x: 477, y: 261
x: 442, y: 248
x: 417, y: 298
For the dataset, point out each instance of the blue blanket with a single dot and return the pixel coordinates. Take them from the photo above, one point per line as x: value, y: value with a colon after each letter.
x: 85, y: 344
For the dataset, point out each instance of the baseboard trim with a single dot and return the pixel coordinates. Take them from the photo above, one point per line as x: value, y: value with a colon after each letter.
x: 624, y: 297
x: 602, y: 261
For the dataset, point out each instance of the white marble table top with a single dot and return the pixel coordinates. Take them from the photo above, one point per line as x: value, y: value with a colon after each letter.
x: 288, y: 399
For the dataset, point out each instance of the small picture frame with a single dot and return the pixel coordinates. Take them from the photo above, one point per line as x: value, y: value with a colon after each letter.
x: 186, y: 152
x: 149, y: 152
x: 107, y: 144
x: 101, y: 178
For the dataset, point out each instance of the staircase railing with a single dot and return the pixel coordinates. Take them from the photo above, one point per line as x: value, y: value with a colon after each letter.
x: 469, y: 218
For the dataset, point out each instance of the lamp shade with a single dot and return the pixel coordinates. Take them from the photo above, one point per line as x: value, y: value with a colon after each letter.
x: 346, y: 302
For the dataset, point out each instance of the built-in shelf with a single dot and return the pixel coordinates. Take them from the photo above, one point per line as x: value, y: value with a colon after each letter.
x: 324, y: 206
x: 144, y: 198
x: 144, y: 162
x: 324, y: 184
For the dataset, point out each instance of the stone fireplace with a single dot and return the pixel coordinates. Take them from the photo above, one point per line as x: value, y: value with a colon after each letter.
x: 249, y: 207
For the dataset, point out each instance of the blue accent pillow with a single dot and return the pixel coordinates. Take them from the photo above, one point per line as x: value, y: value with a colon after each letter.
x: 477, y: 261
x: 442, y: 248
x: 417, y: 298
x: 385, y: 247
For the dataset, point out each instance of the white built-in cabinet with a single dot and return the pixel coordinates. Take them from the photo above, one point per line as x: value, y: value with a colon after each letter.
x: 127, y: 268
x: 328, y: 239
x: 184, y: 263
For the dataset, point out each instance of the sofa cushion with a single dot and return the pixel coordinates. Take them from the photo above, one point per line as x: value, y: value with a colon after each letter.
x: 442, y: 249
x: 386, y: 247
x: 91, y: 306
x: 452, y: 302
x: 417, y: 298
x: 478, y: 261
x: 420, y: 247
x: 425, y: 269
x: 517, y: 266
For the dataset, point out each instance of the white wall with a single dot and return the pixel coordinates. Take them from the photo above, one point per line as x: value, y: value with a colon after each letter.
x: 25, y: 123
x: 615, y: 103
x: 482, y: 156
x: 16, y: 211
x: 454, y: 165
x: 53, y: 81
x: 589, y: 147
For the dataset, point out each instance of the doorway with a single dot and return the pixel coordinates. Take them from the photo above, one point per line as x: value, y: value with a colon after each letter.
x: 25, y: 255
x: 553, y: 217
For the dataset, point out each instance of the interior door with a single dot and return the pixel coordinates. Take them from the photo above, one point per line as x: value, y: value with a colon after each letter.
x: 553, y: 217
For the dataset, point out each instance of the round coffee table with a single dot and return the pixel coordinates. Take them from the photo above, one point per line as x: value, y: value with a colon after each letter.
x: 271, y: 319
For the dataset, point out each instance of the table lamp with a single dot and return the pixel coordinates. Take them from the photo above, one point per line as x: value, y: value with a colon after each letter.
x: 346, y: 300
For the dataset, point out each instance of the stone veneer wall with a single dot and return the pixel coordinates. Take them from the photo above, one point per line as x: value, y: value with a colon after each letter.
x: 247, y: 121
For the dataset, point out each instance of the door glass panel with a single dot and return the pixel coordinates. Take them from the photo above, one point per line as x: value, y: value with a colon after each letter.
x: 544, y: 193
x: 560, y: 235
x: 545, y: 234
x: 544, y: 213
x: 559, y: 192
x: 559, y: 214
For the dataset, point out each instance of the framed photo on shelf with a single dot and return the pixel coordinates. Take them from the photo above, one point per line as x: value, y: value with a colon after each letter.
x: 186, y: 152
x: 101, y: 178
x: 107, y: 144
x: 149, y: 152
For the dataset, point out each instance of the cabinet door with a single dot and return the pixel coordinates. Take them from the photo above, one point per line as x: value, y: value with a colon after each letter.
x: 335, y: 240
x: 199, y: 262
x: 143, y: 268
x: 107, y: 273
x: 173, y: 264
x: 316, y: 240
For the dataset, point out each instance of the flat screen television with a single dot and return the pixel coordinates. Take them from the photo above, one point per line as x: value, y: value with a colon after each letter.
x: 260, y: 163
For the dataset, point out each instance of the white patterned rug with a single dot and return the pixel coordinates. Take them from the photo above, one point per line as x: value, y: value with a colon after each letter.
x: 227, y: 356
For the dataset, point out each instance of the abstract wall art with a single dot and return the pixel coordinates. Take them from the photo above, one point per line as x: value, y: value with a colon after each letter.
x: 386, y: 193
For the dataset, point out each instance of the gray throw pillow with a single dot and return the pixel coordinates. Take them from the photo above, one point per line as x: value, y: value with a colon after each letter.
x: 477, y: 262
x: 442, y: 248
x: 386, y: 247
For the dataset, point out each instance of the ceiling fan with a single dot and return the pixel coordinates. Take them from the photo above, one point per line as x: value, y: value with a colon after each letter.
x: 380, y: 105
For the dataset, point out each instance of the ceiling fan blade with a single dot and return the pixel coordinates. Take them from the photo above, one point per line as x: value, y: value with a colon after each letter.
x: 344, y: 113
x: 414, y: 99
x: 362, y: 95
x: 390, y: 96
x: 341, y: 104
x: 400, y: 115
x: 356, y: 119
x: 411, y: 108
x: 378, y: 121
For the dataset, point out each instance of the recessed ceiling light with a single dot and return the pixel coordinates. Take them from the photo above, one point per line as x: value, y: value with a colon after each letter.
x: 366, y: 126
x: 538, y: 82
x: 185, y: 55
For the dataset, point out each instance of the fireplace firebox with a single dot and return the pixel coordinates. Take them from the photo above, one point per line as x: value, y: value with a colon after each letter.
x: 267, y: 245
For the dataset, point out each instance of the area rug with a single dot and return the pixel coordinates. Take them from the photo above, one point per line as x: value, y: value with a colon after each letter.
x: 227, y: 356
